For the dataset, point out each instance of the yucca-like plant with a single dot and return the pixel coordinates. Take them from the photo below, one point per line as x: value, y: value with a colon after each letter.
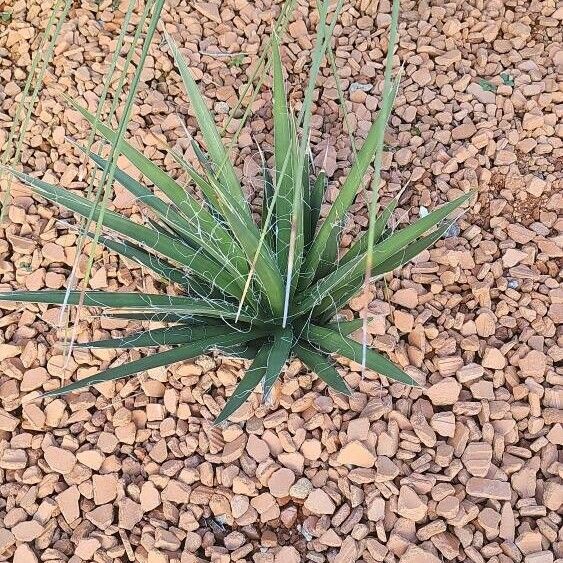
x: 266, y: 292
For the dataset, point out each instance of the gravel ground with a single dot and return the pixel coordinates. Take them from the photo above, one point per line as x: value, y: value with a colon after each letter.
x: 468, y: 469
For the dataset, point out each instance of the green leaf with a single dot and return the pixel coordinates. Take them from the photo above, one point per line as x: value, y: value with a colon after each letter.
x: 330, y: 254
x: 140, y: 302
x: 279, y: 352
x: 267, y: 197
x: 248, y: 383
x: 155, y: 263
x: 341, y: 297
x: 167, y: 336
x: 163, y: 318
x: 342, y: 275
x: 205, y: 268
x: 335, y: 343
x: 361, y: 244
x: 321, y: 365
x: 347, y: 192
x: 284, y: 153
x: 206, y: 230
x: 223, y: 167
x: 259, y: 255
x: 297, y: 243
x: 346, y: 327
x: 240, y: 352
x: 177, y: 354
x: 316, y: 200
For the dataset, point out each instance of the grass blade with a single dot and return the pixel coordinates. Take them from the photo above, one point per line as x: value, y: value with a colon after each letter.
x: 330, y: 255
x: 284, y: 153
x: 267, y: 197
x: 361, y: 244
x: 376, y: 180
x: 316, y: 200
x: 384, y: 250
x: 339, y: 298
x: 157, y: 264
x: 347, y: 192
x: 205, y: 268
x: 163, y: 318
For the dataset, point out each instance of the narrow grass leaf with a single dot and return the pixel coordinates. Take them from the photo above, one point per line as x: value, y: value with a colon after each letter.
x: 318, y: 191
x: 204, y: 225
x: 205, y: 268
x: 339, y: 298
x: 163, y: 318
x: 284, y: 154
x: 347, y: 192
x: 361, y: 244
x: 267, y: 197
x: 223, y: 166
x: 382, y: 251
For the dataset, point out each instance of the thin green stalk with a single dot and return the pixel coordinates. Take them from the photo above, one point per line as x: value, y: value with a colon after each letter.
x: 44, y: 57
x: 376, y: 181
x: 104, y: 187
x: 85, y: 223
x: 324, y: 35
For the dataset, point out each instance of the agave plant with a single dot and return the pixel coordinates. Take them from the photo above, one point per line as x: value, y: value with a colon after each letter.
x: 266, y: 292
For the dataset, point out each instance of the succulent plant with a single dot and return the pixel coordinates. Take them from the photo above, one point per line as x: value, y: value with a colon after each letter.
x: 268, y: 291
